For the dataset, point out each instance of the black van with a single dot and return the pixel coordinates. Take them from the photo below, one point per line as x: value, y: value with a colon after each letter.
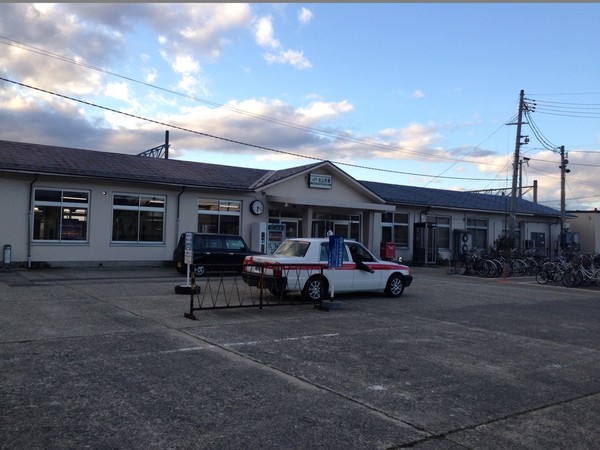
x: 218, y: 252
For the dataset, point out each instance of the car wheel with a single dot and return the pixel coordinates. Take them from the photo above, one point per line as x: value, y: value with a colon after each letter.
x: 199, y: 270
x: 314, y: 289
x: 395, y: 286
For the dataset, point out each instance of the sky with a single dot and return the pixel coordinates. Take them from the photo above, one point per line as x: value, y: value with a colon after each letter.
x: 419, y: 94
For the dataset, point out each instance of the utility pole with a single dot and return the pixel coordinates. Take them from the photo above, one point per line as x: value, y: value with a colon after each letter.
x: 513, y: 198
x: 563, y: 171
x: 524, y: 159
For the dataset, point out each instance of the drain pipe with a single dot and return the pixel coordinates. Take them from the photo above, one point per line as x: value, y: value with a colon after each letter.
x: 30, y: 220
x: 178, y: 210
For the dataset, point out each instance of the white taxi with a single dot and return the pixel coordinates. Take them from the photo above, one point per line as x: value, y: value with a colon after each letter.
x: 302, y: 265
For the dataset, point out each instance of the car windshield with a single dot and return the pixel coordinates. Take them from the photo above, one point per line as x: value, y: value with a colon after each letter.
x: 292, y: 248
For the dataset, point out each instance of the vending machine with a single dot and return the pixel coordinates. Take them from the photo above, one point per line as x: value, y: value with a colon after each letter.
x: 275, y: 236
x: 266, y: 237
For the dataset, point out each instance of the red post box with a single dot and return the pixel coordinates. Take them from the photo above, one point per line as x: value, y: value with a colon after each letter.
x: 387, y: 250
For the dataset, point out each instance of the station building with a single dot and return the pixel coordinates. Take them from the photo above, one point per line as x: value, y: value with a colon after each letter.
x: 69, y: 207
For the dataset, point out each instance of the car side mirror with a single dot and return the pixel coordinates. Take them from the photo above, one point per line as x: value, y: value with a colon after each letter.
x: 399, y: 259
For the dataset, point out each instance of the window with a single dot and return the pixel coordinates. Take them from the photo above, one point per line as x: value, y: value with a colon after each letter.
x: 219, y: 216
x: 479, y: 232
x: 324, y: 254
x: 292, y: 248
x: 395, y: 228
x: 60, y: 215
x: 138, y: 218
x: 235, y: 244
x: 344, y: 225
x: 443, y: 232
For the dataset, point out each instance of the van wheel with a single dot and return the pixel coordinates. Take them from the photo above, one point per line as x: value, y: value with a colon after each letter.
x: 314, y: 289
x: 199, y: 270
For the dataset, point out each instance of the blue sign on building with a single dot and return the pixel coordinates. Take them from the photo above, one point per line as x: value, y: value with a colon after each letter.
x: 336, y: 251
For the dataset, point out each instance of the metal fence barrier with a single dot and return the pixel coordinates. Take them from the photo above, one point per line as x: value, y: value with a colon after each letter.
x: 224, y: 288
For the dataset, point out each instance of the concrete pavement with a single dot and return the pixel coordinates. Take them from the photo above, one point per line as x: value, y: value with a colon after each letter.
x: 104, y: 358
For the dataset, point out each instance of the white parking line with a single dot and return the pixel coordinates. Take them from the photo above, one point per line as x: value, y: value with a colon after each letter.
x: 297, y: 338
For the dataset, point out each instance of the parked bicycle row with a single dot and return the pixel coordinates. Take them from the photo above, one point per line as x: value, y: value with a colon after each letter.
x: 571, y: 270
x: 494, y: 263
x: 579, y: 270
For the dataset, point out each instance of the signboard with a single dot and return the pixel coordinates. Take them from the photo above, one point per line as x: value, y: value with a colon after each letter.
x: 336, y: 251
x: 188, y: 253
x: 319, y: 181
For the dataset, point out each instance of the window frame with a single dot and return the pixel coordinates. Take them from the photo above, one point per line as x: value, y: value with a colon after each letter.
x: 479, y: 228
x: 62, y: 205
x: 144, y: 215
x: 397, y: 227
x: 219, y: 214
x: 445, y: 225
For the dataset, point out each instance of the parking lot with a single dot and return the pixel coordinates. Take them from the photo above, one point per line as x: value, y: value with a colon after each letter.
x: 104, y: 358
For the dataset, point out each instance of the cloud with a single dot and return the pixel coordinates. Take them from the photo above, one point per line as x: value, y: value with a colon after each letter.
x: 325, y: 110
x: 201, y: 28
x: 264, y: 34
x: 291, y: 57
x: 305, y: 15
x: 150, y: 75
x: 418, y: 94
x: 180, y: 57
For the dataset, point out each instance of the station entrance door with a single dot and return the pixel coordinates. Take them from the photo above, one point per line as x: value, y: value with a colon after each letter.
x: 425, y: 243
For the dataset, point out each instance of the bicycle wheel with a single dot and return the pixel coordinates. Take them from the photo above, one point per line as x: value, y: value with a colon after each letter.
x: 519, y: 268
x: 569, y: 278
x: 542, y: 276
x: 460, y: 267
x: 481, y: 268
x: 492, y: 268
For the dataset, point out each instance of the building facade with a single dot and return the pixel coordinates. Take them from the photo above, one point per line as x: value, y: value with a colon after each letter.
x: 584, y: 231
x: 66, y: 207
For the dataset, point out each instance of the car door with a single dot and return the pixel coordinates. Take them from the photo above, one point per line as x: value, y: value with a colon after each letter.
x: 216, y: 251
x: 342, y: 277
x: 234, y: 252
x: 210, y: 251
x: 366, y: 276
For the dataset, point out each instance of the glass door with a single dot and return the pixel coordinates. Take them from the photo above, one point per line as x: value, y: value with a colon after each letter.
x: 341, y: 229
x: 292, y: 229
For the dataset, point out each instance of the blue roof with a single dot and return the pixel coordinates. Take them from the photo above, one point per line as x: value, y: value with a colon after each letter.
x: 428, y: 197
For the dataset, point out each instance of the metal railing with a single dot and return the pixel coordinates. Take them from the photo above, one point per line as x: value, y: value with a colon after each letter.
x: 224, y: 288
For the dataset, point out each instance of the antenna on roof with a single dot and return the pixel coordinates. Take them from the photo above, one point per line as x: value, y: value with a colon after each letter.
x: 162, y: 151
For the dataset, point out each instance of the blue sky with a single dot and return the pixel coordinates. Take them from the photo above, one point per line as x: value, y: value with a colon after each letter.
x: 407, y: 93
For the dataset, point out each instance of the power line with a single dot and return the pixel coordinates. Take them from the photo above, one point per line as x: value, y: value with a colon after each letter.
x: 582, y: 110
x: 538, y: 134
x: 227, y: 139
x: 568, y: 105
x: 470, y: 152
x: 27, y: 47
x: 574, y: 108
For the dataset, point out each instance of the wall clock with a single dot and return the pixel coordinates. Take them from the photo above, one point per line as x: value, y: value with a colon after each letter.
x: 257, y: 207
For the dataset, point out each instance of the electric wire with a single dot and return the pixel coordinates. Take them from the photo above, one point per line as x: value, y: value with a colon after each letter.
x: 538, y: 134
x: 298, y: 155
x: 27, y: 47
x: 469, y: 153
x: 546, y: 107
